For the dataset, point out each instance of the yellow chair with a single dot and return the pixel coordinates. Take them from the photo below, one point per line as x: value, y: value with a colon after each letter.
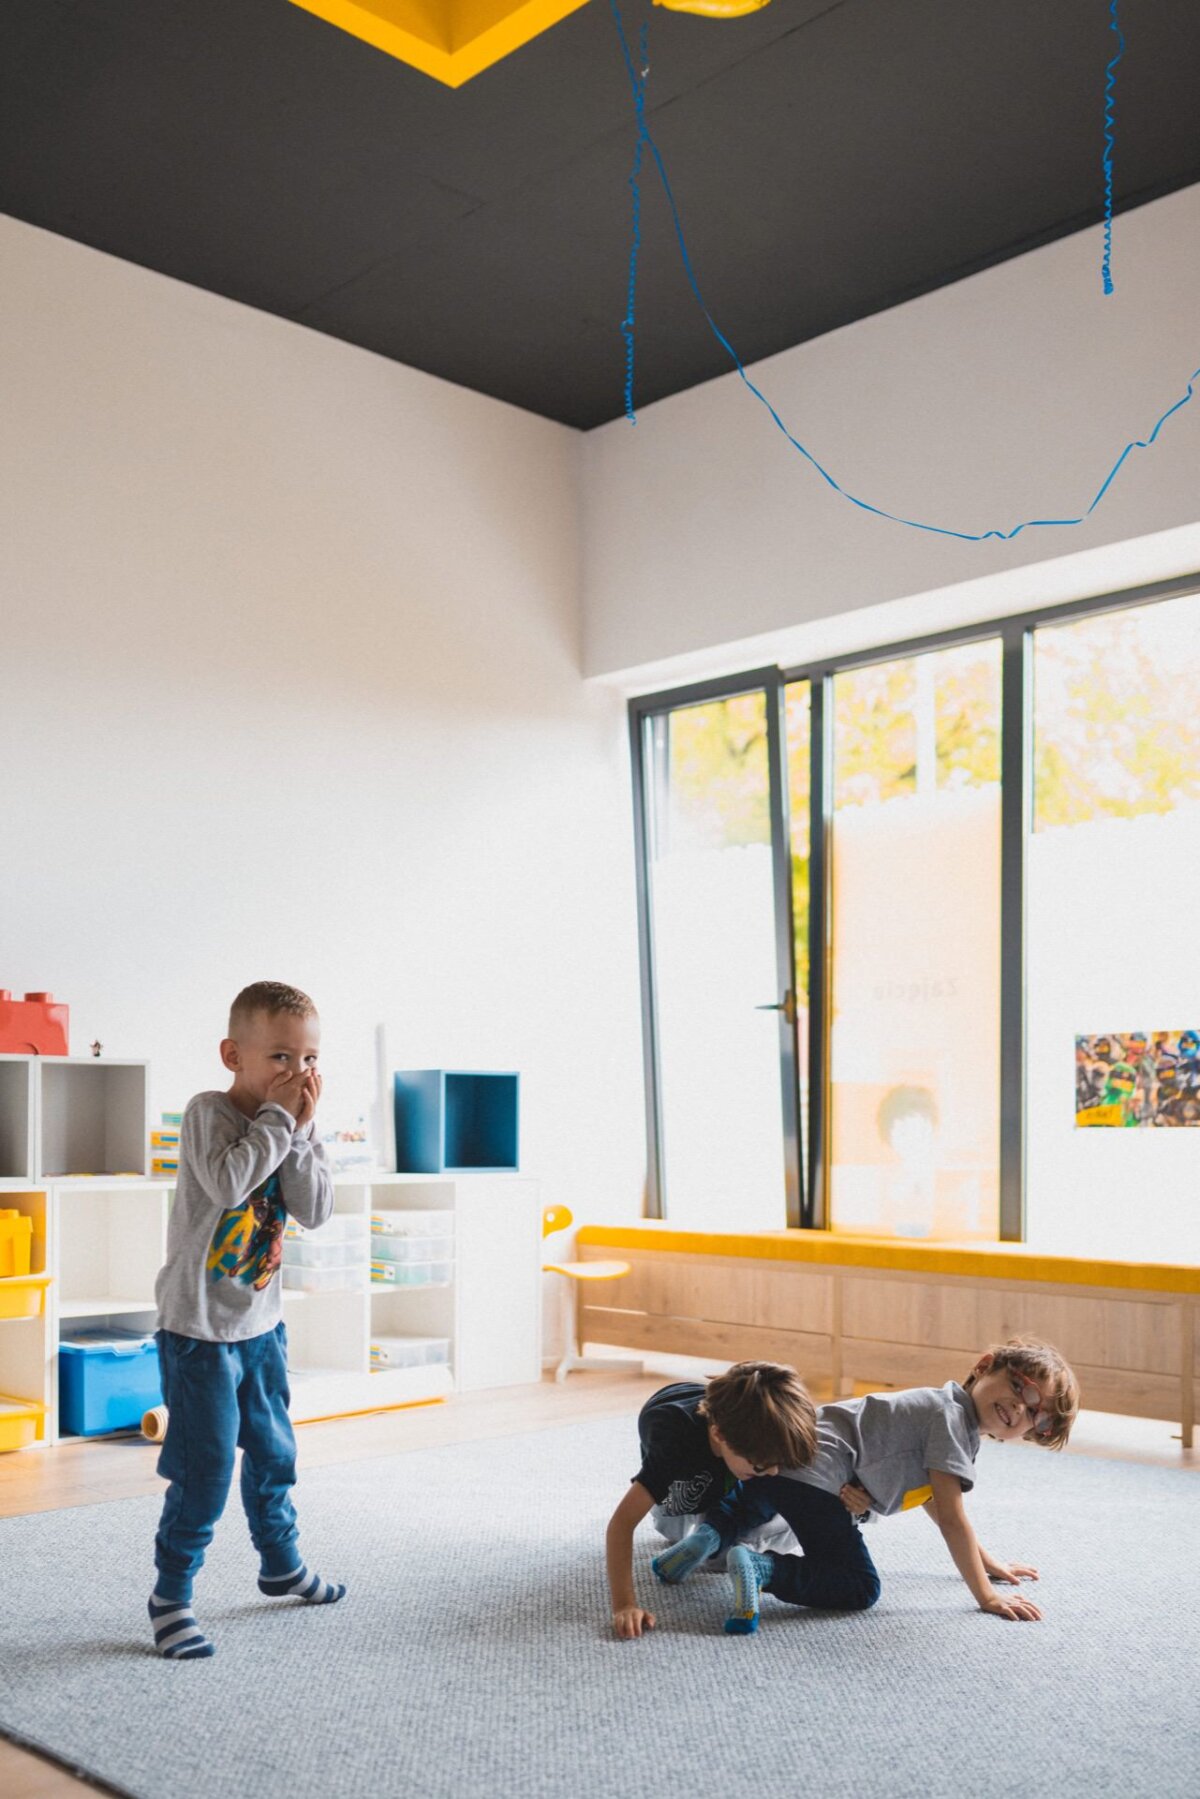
x: 574, y: 1275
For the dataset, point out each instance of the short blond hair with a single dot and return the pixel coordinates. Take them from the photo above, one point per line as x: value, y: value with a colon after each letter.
x: 270, y: 997
x: 764, y: 1413
x: 1049, y: 1369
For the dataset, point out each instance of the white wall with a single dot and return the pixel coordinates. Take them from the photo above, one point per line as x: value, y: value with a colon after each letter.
x: 291, y: 690
x: 1004, y: 397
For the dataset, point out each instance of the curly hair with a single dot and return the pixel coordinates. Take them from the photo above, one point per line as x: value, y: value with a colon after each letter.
x: 1052, y: 1373
x: 271, y: 997
x: 764, y: 1413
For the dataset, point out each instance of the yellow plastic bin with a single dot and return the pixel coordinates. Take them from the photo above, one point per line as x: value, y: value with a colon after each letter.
x: 21, y: 1423
x: 23, y: 1295
x: 16, y: 1237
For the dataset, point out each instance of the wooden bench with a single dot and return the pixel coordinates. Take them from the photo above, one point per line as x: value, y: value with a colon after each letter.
x: 898, y: 1313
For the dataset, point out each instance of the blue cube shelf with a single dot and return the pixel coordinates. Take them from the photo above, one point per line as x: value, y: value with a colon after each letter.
x: 106, y: 1381
x: 452, y: 1121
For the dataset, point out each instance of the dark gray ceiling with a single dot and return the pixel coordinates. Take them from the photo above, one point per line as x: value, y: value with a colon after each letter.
x: 830, y: 160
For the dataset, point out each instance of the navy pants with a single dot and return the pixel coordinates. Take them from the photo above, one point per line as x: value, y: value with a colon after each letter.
x: 221, y: 1397
x: 835, y: 1572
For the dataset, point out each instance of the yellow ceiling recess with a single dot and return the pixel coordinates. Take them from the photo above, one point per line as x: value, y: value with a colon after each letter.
x: 448, y: 39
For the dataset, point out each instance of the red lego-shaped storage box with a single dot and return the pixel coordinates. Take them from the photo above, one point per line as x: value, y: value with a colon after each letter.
x: 35, y: 1025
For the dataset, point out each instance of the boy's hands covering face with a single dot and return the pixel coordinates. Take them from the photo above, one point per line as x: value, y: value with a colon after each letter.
x: 297, y: 1090
x: 309, y: 1096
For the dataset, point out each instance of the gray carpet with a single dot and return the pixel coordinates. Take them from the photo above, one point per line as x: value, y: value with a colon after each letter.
x: 473, y: 1656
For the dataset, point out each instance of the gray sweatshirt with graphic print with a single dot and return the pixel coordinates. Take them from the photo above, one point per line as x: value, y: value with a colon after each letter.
x: 239, y: 1181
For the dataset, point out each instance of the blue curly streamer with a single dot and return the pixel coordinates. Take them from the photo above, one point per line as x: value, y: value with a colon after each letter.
x: 1110, y: 84
x: 627, y: 323
x: 646, y: 139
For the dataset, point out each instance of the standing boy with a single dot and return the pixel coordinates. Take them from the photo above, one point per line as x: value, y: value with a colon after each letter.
x: 247, y: 1160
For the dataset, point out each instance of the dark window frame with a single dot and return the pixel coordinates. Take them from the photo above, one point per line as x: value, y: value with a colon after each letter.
x: 806, y: 1165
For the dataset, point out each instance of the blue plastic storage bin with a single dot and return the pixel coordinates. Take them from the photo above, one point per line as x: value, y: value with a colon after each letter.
x: 452, y: 1121
x: 106, y: 1380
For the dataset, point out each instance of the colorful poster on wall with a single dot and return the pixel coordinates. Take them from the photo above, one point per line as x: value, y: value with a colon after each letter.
x: 1126, y: 1078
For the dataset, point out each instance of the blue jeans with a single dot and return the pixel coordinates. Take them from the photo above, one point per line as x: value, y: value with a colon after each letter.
x: 221, y: 1397
x: 835, y: 1572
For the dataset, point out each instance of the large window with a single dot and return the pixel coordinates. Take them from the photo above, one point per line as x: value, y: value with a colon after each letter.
x: 914, y: 1050
x: 1113, y: 871
x: 917, y: 933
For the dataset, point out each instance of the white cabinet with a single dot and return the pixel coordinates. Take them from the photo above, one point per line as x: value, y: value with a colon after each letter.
x: 474, y: 1299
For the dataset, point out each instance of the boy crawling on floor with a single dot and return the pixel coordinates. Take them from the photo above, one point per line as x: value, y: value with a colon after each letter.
x: 699, y: 1443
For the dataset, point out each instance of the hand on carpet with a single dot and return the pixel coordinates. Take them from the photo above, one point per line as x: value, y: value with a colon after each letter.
x: 1010, y: 1573
x: 631, y: 1621
x: 1013, y: 1606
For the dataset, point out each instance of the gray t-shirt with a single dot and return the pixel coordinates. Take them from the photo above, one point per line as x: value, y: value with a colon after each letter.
x: 888, y: 1442
x: 239, y: 1180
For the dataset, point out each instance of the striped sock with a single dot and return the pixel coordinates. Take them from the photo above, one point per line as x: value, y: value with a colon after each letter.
x: 677, y: 1562
x: 176, y: 1632
x: 300, y: 1584
x: 750, y: 1573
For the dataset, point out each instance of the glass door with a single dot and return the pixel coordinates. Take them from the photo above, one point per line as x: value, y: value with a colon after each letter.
x: 722, y: 1010
x: 914, y: 981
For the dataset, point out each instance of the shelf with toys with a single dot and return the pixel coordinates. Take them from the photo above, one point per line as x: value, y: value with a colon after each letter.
x: 74, y: 1161
x: 419, y: 1286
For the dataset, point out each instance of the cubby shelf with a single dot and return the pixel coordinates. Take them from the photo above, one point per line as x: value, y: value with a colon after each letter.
x: 63, y: 1116
x: 456, y: 1121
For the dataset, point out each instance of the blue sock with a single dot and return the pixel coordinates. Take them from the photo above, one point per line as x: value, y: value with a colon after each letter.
x: 750, y: 1573
x: 176, y: 1632
x: 300, y: 1584
x: 677, y: 1562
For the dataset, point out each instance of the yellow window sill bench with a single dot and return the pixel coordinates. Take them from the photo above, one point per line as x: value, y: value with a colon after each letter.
x: 868, y: 1309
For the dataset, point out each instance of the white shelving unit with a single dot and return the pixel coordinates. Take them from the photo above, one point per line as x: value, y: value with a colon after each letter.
x: 73, y: 1156
x: 70, y: 1127
x: 488, y: 1310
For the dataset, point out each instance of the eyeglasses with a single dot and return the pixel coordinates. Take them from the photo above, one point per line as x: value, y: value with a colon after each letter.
x: 1031, y: 1398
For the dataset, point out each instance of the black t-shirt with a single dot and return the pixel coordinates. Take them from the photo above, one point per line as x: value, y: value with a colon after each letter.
x: 679, y: 1469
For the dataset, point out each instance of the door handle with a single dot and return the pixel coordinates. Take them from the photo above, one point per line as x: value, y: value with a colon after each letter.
x: 786, y: 1005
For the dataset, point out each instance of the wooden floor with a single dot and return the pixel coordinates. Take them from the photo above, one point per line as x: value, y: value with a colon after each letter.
x: 42, y: 1480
